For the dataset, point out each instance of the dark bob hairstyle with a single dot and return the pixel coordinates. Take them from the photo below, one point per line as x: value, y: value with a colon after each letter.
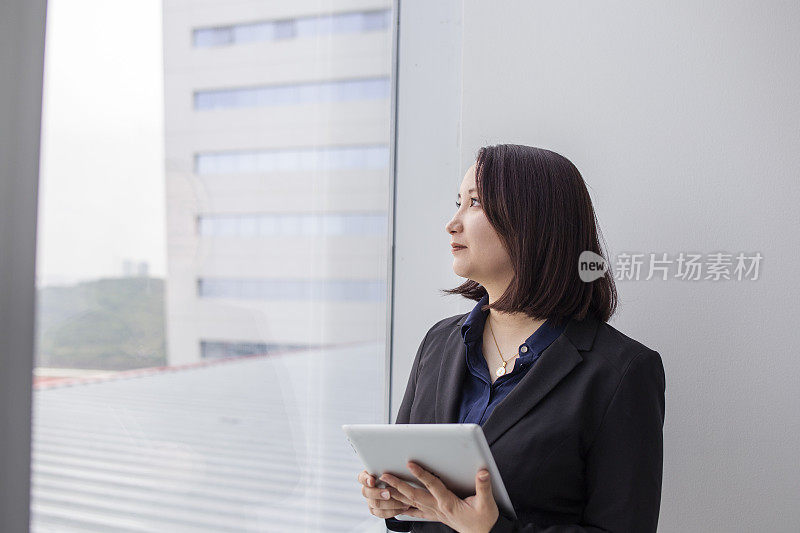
x: 537, y: 202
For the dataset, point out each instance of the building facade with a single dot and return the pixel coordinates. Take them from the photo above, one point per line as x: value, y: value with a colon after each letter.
x: 278, y: 182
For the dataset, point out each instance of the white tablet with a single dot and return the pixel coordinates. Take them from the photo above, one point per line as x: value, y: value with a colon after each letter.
x: 453, y: 452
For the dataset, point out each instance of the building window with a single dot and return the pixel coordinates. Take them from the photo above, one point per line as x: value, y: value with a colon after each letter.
x: 291, y: 94
x: 285, y: 29
x: 291, y: 224
x: 224, y: 350
x: 274, y: 30
x: 289, y: 289
x: 375, y: 20
x: 329, y: 158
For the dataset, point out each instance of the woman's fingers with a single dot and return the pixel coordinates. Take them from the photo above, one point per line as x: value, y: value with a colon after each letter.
x: 380, y: 506
x: 386, y: 513
x: 376, y: 495
x: 366, y: 479
x: 392, y: 505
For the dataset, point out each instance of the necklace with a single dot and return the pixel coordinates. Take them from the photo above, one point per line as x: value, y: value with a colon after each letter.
x: 500, y: 369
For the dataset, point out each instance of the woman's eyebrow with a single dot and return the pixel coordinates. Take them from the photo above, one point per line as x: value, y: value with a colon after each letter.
x: 471, y: 190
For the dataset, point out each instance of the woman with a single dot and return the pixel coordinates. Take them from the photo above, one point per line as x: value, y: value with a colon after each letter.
x: 572, y: 409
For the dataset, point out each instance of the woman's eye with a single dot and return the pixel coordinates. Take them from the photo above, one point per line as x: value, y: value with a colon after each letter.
x: 458, y: 204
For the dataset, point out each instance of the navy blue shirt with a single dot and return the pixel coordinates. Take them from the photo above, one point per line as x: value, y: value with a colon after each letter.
x: 480, y: 396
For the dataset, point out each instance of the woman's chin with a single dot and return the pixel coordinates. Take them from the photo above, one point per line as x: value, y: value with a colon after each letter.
x: 459, y: 270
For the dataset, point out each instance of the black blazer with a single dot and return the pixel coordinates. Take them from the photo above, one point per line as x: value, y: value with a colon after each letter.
x: 578, y: 441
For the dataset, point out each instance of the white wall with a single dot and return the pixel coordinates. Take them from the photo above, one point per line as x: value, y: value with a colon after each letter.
x: 683, y: 120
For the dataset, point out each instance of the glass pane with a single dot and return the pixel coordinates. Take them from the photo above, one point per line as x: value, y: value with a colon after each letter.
x: 213, y: 36
x: 264, y: 224
x: 285, y: 29
x: 289, y: 94
x: 376, y: 20
x: 313, y: 26
x: 245, y: 33
x: 203, y: 329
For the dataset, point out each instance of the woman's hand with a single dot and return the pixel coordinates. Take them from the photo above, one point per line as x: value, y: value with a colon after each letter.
x: 475, y: 514
x: 378, y: 505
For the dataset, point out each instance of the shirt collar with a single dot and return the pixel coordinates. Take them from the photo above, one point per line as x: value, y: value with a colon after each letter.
x: 472, y: 331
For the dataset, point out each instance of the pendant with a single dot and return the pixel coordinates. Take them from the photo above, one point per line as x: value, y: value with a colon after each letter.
x: 501, y: 370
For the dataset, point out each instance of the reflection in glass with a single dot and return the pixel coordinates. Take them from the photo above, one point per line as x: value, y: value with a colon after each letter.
x: 354, y: 157
x: 301, y: 27
x: 291, y: 289
x: 287, y: 224
x: 291, y: 94
x: 208, y: 395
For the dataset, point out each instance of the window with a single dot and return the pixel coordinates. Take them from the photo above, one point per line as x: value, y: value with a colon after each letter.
x: 213, y: 37
x: 289, y: 224
x: 302, y: 27
x: 292, y: 94
x: 285, y: 29
x: 351, y: 157
x: 203, y: 304
x: 287, y: 290
x: 224, y: 349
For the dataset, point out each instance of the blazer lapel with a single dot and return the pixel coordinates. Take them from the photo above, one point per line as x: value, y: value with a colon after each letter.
x: 553, y: 365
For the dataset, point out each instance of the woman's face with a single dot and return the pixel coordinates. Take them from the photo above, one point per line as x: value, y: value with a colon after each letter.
x: 484, y: 260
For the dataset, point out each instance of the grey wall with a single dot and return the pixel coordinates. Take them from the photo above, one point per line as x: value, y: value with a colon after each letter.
x: 683, y: 119
x: 21, y: 64
x: 428, y: 173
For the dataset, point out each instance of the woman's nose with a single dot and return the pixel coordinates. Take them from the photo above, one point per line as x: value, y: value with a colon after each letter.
x: 450, y: 227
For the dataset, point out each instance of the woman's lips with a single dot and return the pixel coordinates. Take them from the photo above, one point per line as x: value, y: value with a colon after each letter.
x: 457, y: 248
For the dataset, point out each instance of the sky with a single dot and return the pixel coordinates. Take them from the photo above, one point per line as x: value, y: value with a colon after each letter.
x: 101, y: 189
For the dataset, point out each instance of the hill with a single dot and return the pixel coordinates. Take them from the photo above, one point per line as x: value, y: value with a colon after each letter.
x: 109, y: 324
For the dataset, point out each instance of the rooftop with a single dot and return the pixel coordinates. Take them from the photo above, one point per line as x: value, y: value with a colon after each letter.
x: 234, y: 445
